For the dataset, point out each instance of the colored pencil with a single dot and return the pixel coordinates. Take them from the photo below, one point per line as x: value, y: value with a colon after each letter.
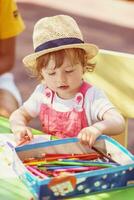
x: 36, y: 172
x: 103, y: 154
x: 24, y: 141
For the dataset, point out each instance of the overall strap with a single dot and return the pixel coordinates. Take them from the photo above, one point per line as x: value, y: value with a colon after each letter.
x: 84, y: 87
x: 80, y: 96
x: 49, y: 94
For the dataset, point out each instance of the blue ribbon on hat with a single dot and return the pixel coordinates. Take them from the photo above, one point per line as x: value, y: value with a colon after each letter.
x: 57, y: 43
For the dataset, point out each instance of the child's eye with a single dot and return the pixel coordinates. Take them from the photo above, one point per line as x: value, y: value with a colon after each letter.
x: 70, y: 71
x: 52, y: 73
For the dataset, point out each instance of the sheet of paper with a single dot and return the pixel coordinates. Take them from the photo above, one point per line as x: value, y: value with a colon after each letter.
x: 37, y: 138
x: 7, y: 156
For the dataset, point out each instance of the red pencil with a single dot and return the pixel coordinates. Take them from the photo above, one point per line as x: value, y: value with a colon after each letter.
x: 24, y: 141
x: 52, y: 157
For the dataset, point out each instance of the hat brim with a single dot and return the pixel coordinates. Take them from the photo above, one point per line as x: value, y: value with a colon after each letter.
x: 90, y: 49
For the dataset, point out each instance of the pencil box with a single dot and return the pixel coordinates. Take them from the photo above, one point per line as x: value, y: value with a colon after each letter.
x: 73, y: 185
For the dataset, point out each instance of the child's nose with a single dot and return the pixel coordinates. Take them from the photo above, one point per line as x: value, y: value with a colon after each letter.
x: 61, y: 78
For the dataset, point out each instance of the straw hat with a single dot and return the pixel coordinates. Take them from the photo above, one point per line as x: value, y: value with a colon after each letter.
x: 55, y: 33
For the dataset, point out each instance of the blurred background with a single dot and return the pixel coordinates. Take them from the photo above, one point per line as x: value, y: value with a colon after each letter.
x: 107, y: 23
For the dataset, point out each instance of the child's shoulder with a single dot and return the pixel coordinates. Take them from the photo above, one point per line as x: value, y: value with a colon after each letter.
x: 40, y: 87
x: 93, y: 88
x: 94, y: 91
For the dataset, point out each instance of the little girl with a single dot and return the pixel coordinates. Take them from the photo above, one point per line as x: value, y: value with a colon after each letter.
x: 66, y: 105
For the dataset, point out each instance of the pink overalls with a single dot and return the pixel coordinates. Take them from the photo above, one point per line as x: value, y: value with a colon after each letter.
x: 64, y: 124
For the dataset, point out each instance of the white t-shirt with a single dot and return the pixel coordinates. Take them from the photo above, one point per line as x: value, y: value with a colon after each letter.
x: 96, y: 103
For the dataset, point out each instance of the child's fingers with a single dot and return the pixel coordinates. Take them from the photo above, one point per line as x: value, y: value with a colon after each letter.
x: 29, y: 134
x: 22, y: 142
x: 25, y: 140
x: 91, y: 141
x: 84, y: 137
x: 24, y: 136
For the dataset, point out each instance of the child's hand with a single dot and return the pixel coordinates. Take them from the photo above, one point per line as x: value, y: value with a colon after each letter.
x: 89, y: 135
x: 23, y: 134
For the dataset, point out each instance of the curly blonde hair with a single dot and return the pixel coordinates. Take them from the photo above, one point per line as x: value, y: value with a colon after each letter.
x: 74, y: 54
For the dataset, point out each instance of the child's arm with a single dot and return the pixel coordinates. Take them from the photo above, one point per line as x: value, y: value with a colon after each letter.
x: 18, y: 122
x: 112, y: 124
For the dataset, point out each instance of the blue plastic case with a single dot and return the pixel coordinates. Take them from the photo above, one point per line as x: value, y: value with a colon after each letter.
x: 84, y: 183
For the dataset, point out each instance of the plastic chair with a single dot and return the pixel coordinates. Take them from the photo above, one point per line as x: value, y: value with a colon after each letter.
x: 114, y: 73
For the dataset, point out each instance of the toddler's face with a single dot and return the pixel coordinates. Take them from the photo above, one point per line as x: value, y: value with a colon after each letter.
x: 64, y: 80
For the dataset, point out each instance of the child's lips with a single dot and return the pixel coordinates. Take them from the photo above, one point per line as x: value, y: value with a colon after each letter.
x: 64, y: 87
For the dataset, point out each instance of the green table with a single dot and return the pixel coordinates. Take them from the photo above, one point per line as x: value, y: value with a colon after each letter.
x: 14, y: 189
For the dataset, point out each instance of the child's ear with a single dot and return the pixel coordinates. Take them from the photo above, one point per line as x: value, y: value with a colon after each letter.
x: 41, y: 76
x: 84, y: 69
